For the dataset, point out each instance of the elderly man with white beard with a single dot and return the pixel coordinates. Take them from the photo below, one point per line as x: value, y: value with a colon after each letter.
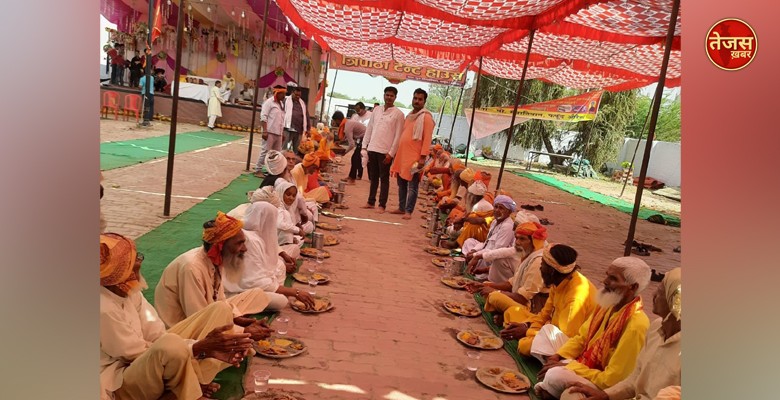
x: 606, y: 349
x: 139, y: 359
x: 193, y: 280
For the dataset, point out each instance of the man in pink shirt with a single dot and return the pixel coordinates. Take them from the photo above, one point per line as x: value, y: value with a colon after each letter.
x: 413, y: 148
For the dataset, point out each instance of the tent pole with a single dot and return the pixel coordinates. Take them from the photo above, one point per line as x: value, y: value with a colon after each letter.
x: 324, y: 80
x: 659, y: 89
x: 473, y: 111
x: 455, y: 114
x: 174, y: 109
x: 257, y: 82
x: 300, y: 56
x: 441, y: 113
x: 514, y: 113
x: 332, y: 88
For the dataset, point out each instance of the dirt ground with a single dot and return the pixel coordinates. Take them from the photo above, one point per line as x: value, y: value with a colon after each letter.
x: 387, y: 337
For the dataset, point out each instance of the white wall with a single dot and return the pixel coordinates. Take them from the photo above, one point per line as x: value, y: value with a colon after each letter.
x: 665, y: 160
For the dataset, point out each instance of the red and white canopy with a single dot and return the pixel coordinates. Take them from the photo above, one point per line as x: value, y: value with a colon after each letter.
x: 610, y: 44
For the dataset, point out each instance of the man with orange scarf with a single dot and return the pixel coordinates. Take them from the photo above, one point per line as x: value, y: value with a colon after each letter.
x: 305, y: 177
x: 193, y: 280
x: 606, y: 349
x: 139, y: 359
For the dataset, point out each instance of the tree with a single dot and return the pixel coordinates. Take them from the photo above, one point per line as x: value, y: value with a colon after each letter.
x: 437, y: 94
x: 337, y: 95
x: 667, y: 127
x: 599, y: 140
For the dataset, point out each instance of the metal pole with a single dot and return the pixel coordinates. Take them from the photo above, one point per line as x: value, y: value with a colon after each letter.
x: 653, y: 120
x: 174, y: 111
x: 441, y: 113
x: 514, y: 113
x: 324, y: 79
x: 257, y: 82
x: 455, y: 113
x: 473, y: 111
x: 332, y: 88
x: 300, y: 56
x: 149, y: 60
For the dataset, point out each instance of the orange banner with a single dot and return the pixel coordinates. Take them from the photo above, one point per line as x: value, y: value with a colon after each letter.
x: 396, y: 72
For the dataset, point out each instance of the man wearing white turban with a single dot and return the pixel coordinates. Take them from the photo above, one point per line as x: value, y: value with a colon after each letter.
x: 607, y: 347
x: 658, y: 366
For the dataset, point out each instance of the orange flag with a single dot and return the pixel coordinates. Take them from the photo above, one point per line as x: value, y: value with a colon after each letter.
x: 157, y: 27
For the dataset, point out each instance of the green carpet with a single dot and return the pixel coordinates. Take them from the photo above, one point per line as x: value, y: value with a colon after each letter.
x: 129, y: 152
x: 618, y: 204
x: 529, y: 366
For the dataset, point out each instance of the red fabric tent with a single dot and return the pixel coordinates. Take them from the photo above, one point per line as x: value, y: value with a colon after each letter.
x: 610, y: 44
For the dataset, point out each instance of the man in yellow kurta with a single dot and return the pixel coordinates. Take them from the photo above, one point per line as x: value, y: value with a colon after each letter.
x: 138, y: 358
x: 606, y: 348
x: 657, y: 372
x: 571, y: 301
x: 513, y: 298
x: 193, y: 280
x: 413, y: 147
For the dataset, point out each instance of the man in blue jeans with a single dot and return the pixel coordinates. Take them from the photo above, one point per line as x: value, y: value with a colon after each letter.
x: 381, y: 143
x: 413, y: 148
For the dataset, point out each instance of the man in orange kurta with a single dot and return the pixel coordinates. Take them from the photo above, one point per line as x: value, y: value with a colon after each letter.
x: 413, y: 148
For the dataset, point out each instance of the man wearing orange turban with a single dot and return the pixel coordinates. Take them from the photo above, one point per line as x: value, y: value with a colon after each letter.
x: 525, y: 293
x: 272, y: 123
x: 193, y: 280
x: 139, y: 359
x: 306, y: 177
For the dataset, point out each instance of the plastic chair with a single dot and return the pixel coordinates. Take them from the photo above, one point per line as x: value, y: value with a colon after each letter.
x: 132, y: 103
x: 110, y: 101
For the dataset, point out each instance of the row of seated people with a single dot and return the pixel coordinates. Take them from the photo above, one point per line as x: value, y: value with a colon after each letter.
x: 593, y: 344
x: 200, y: 322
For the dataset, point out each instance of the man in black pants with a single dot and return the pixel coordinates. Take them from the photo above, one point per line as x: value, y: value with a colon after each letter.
x: 381, y: 143
x: 353, y: 131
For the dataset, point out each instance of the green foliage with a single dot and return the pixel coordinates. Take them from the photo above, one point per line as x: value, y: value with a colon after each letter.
x: 337, y: 95
x: 600, y: 140
x: 436, y: 96
x: 667, y: 127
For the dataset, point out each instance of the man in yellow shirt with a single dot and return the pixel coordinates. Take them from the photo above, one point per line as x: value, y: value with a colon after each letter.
x: 572, y: 300
x: 606, y: 349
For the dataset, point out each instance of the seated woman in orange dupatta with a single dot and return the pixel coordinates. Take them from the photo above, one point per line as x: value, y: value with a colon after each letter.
x: 306, y: 178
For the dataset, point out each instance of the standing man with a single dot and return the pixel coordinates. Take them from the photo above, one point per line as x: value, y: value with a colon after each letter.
x: 354, y: 131
x: 148, y: 99
x: 215, y: 104
x: 361, y: 114
x: 230, y: 84
x: 136, y: 70
x: 296, y: 119
x: 381, y: 143
x: 413, y: 149
x: 272, y: 124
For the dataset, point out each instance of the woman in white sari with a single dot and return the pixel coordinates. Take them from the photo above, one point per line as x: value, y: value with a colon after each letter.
x: 263, y: 266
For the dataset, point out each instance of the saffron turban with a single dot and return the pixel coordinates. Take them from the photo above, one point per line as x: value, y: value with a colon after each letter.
x: 477, y: 188
x: 275, y: 162
x: 117, y: 258
x: 225, y: 227
x: 277, y: 90
x: 322, y: 154
x: 438, y: 147
x: 673, y: 289
x: 537, y: 232
x: 505, y: 201
x: 467, y: 175
x: 311, y: 159
x: 483, y: 176
x: 551, y: 261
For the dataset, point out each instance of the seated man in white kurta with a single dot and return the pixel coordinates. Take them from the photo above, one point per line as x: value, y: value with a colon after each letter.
x: 138, y: 358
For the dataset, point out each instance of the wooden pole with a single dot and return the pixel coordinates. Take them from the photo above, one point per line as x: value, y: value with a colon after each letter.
x: 257, y: 82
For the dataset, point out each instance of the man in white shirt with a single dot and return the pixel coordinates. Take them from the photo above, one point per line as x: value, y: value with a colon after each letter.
x: 353, y: 131
x: 296, y: 119
x: 361, y: 114
x: 272, y: 124
x: 381, y: 144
